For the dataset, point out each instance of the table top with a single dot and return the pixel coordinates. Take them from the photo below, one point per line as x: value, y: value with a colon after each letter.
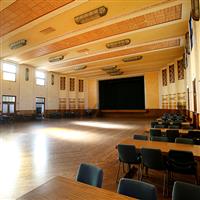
x: 165, y: 147
x: 181, y: 131
x: 61, y: 188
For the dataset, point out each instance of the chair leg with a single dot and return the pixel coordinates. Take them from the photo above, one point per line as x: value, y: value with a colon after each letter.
x: 164, y: 184
x: 118, y: 172
x: 139, y: 172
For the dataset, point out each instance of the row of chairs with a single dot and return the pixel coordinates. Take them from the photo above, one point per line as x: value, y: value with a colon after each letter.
x: 173, y: 116
x: 176, y: 162
x: 146, y: 191
x: 92, y: 175
x: 172, y: 134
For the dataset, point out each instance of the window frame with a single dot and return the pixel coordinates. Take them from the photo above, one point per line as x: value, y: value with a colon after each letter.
x: 38, y: 78
x: 8, y: 103
x: 9, y: 72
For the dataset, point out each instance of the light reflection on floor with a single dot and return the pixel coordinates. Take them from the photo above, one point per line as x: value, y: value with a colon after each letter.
x: 70, y: 134
x: 106, y: 125
x: 10, y: 162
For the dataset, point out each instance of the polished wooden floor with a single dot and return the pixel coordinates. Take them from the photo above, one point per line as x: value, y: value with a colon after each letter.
x: 33, y: 152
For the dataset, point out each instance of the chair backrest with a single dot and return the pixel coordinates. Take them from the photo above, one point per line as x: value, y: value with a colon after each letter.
x: 183, y: 191
x: 174, y: 126
x: 160, y: 126
x: 172, y: 134
x: 140, y: 137
x: 90, y: 175
x: 127, y: 153
x: 152, y: 158
x: 184, y: 140
x: 159, y: 138
x: 180, y: 157
x: 137, y: 189
x: 155, y: 132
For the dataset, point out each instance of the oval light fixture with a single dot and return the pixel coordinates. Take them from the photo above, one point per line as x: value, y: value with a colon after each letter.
x: 56, y: 58
x: 91, y: 15
x: 133, y: 58
x: 118, y: 43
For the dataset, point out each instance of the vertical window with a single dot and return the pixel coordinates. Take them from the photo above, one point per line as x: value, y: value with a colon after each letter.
x: 9, y: 71
x: 72, y: 84
x: 8, y: 104
x: 62, y: 83
x: 40, y: 78
x: 26, y: 74
x: 81, y: 84
x: 52, y: 79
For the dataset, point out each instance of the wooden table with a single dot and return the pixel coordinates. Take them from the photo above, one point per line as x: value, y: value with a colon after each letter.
x: 60, y: 188
x: 165, y: 147
x: 181, y: 131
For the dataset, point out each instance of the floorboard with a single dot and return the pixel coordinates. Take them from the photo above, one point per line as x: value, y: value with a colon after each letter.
x: 33, y: 152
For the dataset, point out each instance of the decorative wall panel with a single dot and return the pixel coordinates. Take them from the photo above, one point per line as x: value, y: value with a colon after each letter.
x: 165, y: 101
x: 62, y: 83
x: 81, y: 86
x: 62, y: 103
x: 172, y: 101
x: 164, y: 77
x: 72, y: 103
x: 180, y: 69
x: 171, y: 74
x: 181, y: 101
x: 72, y: 84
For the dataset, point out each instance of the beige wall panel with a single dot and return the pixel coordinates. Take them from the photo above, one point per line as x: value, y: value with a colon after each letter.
x: 152, y: 90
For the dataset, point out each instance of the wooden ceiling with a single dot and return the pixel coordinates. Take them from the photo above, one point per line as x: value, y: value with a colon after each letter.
x: 156, y: 29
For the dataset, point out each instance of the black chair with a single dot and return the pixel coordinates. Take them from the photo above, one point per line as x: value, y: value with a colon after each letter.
x: 153, y: 123
x: 185, y: 191
x: 155, y: 132
x: 182, y: 162
x: 174, y: 126
x: 160, y: 126
x: 140, y: 137
x: 172, y: 134
x: 153, y: 159
x: 159, y: 138
x: 90, y: 175
x: 195, y: 135
x: 184, y: 140
x: 137, y: 189
x: 128, y: 155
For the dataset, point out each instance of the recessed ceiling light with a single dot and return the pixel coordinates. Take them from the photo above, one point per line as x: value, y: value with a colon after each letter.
x: 118, y: 43
x: 133, y: 58
x: 91, y: 15
x: 18, y: 44
x: 56, y: 58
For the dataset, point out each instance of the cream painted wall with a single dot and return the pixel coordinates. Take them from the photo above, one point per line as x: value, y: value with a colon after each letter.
x: 152, y: 90
x: 27, y: 91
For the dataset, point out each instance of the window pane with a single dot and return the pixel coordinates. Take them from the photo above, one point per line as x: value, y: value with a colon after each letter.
x: 8, y: 99
x: 5, y: 108
x: 39, y: 81
x: 8, y: 67
x: 39, y: 100
x: 40, y: 74
x: 12, y: 108
x: 8, y: 76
